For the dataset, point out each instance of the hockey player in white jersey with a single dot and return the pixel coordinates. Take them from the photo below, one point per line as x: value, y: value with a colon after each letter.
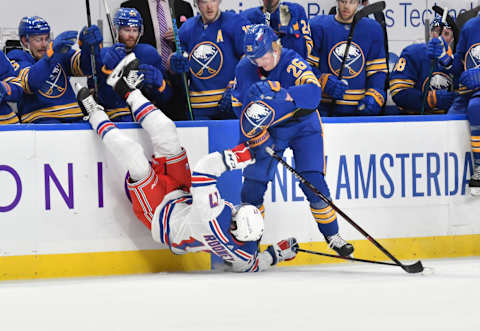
x: 183, y: 211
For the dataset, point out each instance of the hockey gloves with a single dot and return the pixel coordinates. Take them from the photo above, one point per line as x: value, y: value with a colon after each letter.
x: 90, y: 36
x: 152, y: 76
x: 4, y: 88
x: 333, y: 87
x: 437, y: 49
x: 63, y: 43
x: 267, y: 90
x: 440, y: 99
x: 179, y: 62
x: 225, y: 103
x: 238, y: 157
x: 288, y: 22
x: 372, y: 103
x: 114, y: 55
x: 471, y: 78
x: 284, y: 250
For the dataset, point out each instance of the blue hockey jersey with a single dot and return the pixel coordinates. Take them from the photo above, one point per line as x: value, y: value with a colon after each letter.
x: 115, y: 107
x: 298, y: 39
x: 366, y: 67
x: 14, y: 90
x: 409, y: 78
x: 214, y: 50
x: 48, y: 95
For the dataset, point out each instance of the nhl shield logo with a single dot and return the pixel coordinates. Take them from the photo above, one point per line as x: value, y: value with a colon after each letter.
x: 472, y: 57
x: 439, y: 81
x: 206, y: 60
x: 56, y: 84
x: 354, y: 63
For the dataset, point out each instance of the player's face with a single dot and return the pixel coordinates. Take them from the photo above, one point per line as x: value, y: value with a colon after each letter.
x: 37, y: 44
x: 268, y: 61
x: 128, y: 35
x: 447, y: 34
x: 346, y: 9
x: 209, y: 9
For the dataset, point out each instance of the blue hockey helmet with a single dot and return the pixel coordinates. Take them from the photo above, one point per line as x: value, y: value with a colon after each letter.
x: 32, y: 25
x: 258, y: 41
x: 128, y: 17
x: 437, y: 22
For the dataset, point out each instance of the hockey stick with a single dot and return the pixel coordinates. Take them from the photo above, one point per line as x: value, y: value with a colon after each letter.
x: 413, y: 268
x: 109, y: 20
x: 347, y: 258
x: 364, y: 12
x: 450, y: 21
x: 178, y: 51
x: 465, y: 16
x: 268, y: 14
x: 92, y: 52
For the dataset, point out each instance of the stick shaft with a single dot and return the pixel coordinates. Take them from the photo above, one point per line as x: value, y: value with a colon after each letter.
x: 92, y: 51
x: 347, y: 258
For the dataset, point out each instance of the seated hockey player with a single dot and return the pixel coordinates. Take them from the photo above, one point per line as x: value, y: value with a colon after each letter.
x: 44, y: 68
x: 365, y: 69
x: 466, y: 68
x: 288, y: 20
x: 128, y: 29
x: 412, y: 71
x: 276, y: 98
x: 10, y: 91
x: 213, y: 41
x: 183, y: 211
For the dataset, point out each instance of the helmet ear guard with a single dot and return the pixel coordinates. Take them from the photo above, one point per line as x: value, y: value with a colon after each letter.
x: 247, y: 223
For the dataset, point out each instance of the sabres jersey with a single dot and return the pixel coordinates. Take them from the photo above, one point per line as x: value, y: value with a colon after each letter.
x: 214, y: 50
x: 365, y: 68
x: 299, y: 39
x: 48, y: 95
x: 13, y: 89
x: 199, y: 221
x: 467, y: 55
x: 409, y: 80
x: 115, y: 107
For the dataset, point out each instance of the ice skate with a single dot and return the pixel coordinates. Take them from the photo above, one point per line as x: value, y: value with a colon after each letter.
x: 85, y: 100
x: 339, y: 245
x: 474, y: 183
x: 126, y: 77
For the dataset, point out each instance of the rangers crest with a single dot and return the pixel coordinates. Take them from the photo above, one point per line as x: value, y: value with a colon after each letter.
x: 354, y: 63
x: 206, y: 60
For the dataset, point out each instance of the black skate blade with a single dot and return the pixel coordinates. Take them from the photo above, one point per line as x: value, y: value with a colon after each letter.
x: 413, y: 268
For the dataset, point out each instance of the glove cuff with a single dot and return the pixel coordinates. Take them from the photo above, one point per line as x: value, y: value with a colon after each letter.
x: 271, y: 251
x: 379, y: 98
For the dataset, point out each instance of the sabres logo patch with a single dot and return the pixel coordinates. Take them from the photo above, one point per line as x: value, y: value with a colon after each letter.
x: 56, y: 84
x: 354, y: 63
x: 206, y: 60
x: 439, y: 81
x: 472, y: 57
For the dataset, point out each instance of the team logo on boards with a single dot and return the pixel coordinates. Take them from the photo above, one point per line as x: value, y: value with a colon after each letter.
x: 206, y: 60
x: 439, y: 81
x: 472, y: 57
x: 354, y: 63
x: 56, y: 84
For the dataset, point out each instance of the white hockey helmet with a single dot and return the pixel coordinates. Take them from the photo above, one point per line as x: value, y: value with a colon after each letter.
x: 247, y: 223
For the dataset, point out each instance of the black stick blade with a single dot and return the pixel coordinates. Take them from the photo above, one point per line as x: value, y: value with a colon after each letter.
x: 368, y: 10
x: 413, y: 268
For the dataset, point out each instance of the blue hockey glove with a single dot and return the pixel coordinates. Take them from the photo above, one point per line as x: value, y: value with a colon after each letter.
x: 3, y: 91
x: 334, y: 87
x: 114, y: 55
x: 90, y: 36
x: 284, y: 250
x: 179, y: 62
x: 152, y: 76
x: 437, y: 49
x: 267, y: 90
x: 63, y: 43
x: 225, y: 103
x: 369, y: 106
x: 440, y: 99
x: 287, y: 21
x: 471, y: 78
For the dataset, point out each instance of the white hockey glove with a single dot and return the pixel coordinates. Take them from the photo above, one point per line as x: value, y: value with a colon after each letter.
x: 238, y: 157
x: 284, y: 250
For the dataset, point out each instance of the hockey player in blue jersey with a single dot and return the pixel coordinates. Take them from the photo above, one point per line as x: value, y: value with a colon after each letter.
x: 276, y: 97
x: 44, y: 68
x: 466, y: 67
x: 129, y: 27
x: 288, y: 20
x: 10, y: 91
x: 365, y: 66
x: 411, y: 73
x: 213, y: 41
x: 183, y: 211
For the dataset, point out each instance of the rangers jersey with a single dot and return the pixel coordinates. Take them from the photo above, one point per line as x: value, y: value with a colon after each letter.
x: 298, y: 38
x: 409, y: 79
x: 48, y: 95
x: 365, y: 68
x: 214, y: 50
x: 13, y: 89
x: 116, y: 108
x: 199, y: 221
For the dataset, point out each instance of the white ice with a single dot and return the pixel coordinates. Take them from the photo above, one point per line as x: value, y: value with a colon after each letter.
x: 327, y: 297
